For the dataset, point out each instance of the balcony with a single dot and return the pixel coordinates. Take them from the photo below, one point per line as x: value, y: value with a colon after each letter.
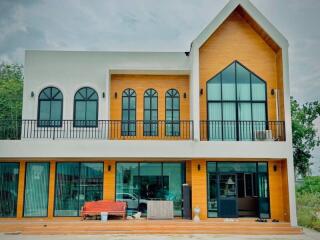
x: 101, y: 129
x: 242, y: 131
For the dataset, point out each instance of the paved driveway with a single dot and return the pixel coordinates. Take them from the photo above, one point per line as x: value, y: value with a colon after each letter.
x: 308, y: 235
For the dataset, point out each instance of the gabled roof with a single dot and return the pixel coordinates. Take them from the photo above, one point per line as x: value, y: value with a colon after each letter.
x: 253, y: 16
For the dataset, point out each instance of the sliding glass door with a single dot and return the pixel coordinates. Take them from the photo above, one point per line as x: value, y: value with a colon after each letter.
x: 136, y: 183
x: 77, y: 183
x: 9, y: 178
x: 36, y: 190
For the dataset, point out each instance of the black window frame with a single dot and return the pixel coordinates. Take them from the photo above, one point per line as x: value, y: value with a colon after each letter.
x: 236, y: 101
x: 172, y: 123
x: 87, y: 123
x: 50, y: 123
x: 129, y: 93
x: 149, y: 95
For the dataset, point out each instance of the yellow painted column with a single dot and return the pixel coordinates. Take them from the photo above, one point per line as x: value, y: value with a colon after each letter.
x: 109, y: 178
x: 199, y: 186
x: 52, y: 180
x: 276, y: 190
x: 22, y: 171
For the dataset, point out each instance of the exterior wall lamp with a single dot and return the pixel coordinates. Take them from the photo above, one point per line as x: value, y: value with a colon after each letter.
x: 32, y: 94
x: 109, y: 168
x: 103, y: 95
x: 199, y: 167
x: 272, y: 91
x: 275, y: 168
x: 115, y: 95
x: 201, y: 91
x: 185, y: 95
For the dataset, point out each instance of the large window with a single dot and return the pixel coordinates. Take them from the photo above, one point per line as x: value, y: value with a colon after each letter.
x: 36, y: 190
x: 237, y: 104
x: 50, y: 107
x: 77, y: 183
x: 128, y: 124
x: 150, y: 118
x: 136, y: 183
x: 86, y: 108
x: 9, y: 178
x: 172, y: 113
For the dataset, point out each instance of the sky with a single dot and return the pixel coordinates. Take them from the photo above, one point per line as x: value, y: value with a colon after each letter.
x: 153, y: 25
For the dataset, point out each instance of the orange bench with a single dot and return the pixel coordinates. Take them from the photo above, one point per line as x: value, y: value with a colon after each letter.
x: 111, y: 207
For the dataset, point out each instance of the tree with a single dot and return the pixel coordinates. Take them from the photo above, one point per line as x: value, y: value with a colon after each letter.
x: 11, y: 85
x: 304, y: 134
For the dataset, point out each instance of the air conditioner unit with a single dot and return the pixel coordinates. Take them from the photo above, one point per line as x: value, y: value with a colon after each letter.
x: 263, y: 135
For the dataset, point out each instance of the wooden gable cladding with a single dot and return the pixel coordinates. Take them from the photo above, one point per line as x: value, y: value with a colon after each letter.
x: 140, y: 83
x: 239, y: 38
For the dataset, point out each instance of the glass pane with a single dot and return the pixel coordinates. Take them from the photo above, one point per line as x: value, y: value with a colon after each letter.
x: 36, y: 190
x: 154, y: 115
x: 132, y: 116
x: 90, y: 91
x: 258, y: 88
x: 125, y: 103
x: 245, y: 124
x: 56, y: 110
x: 169, y: 115
x: 146, y: 103
x: 228, y: 186
x: 262, y: 167
x: 259, y: 112
x: 176, y: 103
x: 91, y: 182
x: 154, y: 103
x: 212, y: 167
x: 125, y: 115
x: 229, y: 121
x: 9, y: 178
x: 168, y: 103
x: 132, y: 103
x: 214, y: 88
x: 127, y: 186
x: 172, y: 185
x: 214, y: 122
x: 91, y: 110
x: 176, y: 116
x: 44, y: 111
x: 237, y: 167
x: 147, y: 115
x: 67, y: 189
x: 212, y: 194
x: 243, y: 83
x: 80, y: 113
x: 150, y: 181
x: 228, y: 83
x: 54, y: 92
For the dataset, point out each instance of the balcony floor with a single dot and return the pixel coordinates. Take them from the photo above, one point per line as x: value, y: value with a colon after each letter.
x: 67, y: 226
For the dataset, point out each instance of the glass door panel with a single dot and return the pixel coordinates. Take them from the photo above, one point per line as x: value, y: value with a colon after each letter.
x: 228, y: 196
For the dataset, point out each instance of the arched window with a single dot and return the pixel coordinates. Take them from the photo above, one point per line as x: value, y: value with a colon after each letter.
x: 128, y: 124
x: 172, y: 113
x: 237, y: 104
x: 50, y: 107
x: 150, y: 115
x: 85, y: 112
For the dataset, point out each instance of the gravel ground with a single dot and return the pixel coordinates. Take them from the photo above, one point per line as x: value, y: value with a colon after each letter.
x: 307, y: 235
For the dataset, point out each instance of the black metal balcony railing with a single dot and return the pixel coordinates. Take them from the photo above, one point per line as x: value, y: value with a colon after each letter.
x: 242, y: 131
x: 101, y: 129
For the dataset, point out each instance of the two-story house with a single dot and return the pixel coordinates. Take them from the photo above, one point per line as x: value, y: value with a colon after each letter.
x: 136, y: 126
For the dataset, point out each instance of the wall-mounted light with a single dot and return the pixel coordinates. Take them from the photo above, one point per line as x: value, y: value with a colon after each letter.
x: 103, y: 95
x: 115, y: 95
x: 274, y: 168
x: 272, y: 91
x: 184, y: 95
x: 199, y: 167
x: 201, y: 91
x: 32, y: 94
x: 109, y: 168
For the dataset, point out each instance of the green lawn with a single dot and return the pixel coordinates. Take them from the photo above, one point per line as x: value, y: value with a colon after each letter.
x: 308, y: 203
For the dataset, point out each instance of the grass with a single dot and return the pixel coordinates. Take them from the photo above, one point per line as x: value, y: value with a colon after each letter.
x: 308, y: 203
